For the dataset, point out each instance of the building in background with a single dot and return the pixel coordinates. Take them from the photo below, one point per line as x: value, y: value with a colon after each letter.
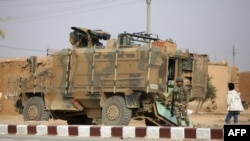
x: 244, y: 83
x: 221, y: 75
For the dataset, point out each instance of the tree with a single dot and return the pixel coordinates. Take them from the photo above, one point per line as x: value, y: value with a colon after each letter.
x: 211, y: 91
x: 210, y: 95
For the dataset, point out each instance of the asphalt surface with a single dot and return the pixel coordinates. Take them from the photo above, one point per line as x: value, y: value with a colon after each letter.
x: 60, y: 138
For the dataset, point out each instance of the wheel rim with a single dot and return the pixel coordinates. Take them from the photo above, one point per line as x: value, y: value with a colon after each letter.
x: 113, y: 112
x: 33, y: 112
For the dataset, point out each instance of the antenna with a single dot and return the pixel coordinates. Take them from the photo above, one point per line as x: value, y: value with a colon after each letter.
x: 233, y: 56
x: 148, y: 15
x: 214, y: 55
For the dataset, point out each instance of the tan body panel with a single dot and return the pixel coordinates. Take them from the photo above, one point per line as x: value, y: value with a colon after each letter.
x: 93, y: 71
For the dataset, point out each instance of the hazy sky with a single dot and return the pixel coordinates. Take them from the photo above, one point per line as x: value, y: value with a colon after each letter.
x: 210, y: 27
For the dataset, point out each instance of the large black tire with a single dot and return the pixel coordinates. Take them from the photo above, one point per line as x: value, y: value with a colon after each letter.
x: 34, y: 110
x: 115, y: 111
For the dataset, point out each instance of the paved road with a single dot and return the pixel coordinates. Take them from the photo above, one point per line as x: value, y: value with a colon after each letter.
x: 59, y: 138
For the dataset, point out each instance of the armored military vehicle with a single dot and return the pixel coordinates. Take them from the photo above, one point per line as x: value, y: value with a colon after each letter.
x: 127, y: 78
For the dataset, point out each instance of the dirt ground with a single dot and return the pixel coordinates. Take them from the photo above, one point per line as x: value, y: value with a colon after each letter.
x: 203, y: 119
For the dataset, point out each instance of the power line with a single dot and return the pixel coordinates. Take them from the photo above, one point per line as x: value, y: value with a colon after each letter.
x: 26, y: 49
x: 55, y: 15
x: 53, y: 11
x: 33, y: 3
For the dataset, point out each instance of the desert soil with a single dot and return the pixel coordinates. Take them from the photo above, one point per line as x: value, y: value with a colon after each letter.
x: 203, y: 119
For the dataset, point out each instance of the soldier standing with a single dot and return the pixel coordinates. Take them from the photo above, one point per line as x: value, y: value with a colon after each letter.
x: 180, y: 98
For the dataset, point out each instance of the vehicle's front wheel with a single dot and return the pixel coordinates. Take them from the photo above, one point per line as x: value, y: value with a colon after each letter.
x: 34, y: 110
x: 115, y: 111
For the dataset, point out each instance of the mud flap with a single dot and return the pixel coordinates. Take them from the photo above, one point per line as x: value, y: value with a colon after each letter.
x: 165, y: 112
x: 132, y: 101
x: 19, y: 106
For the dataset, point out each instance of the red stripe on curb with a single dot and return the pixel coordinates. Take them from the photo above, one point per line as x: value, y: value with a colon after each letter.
x: 12, y: 129
x: 95, y: 131
x: 73, y: 130
x: 140, y: 132
x: 164, y: 132
x: 31, y: 129
x: 190, y: 133
x: 116, y: 131
x: 217, y: 133
x: 52, y: 130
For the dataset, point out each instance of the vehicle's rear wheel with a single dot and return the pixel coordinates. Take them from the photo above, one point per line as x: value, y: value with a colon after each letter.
x: 115, y: 111
x: 34, y: 110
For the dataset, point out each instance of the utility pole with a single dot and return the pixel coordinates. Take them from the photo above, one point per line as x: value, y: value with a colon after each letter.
x: 233, y: 56
x: 148, y: 16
